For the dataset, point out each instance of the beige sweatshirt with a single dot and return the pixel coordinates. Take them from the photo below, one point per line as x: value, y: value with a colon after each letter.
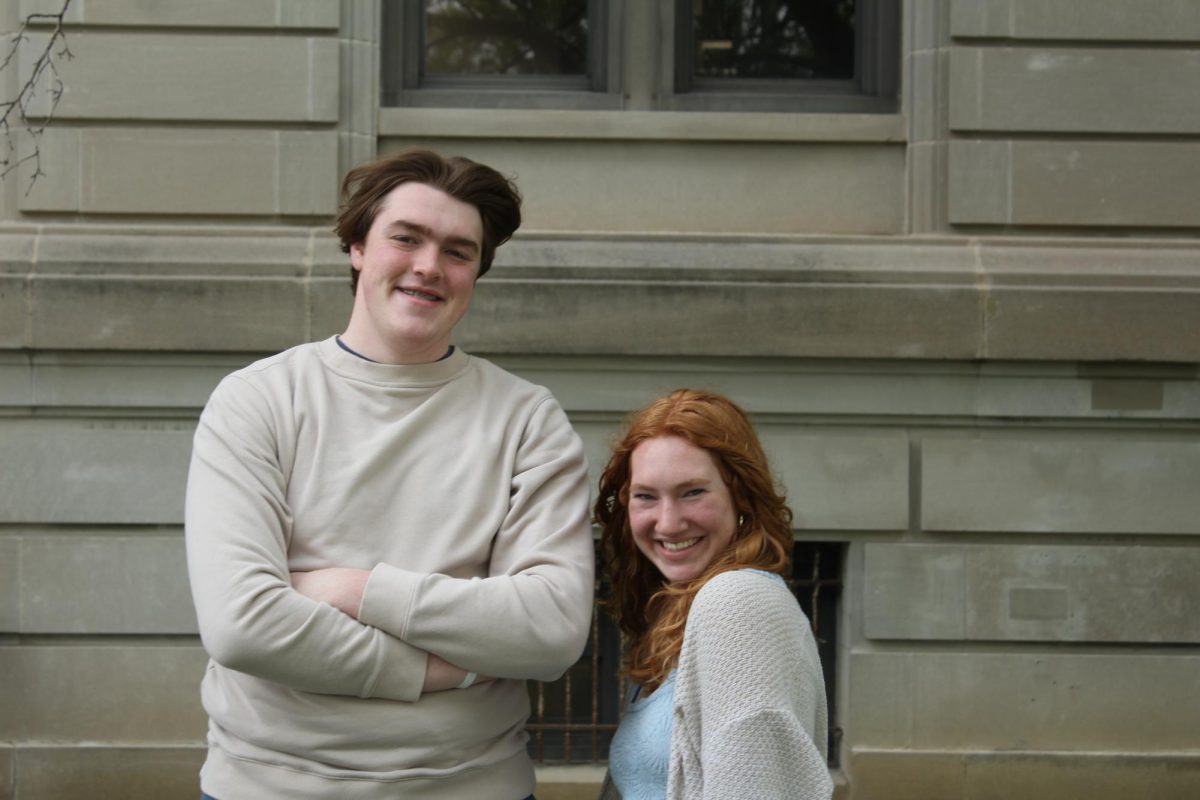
x: 463, y: 488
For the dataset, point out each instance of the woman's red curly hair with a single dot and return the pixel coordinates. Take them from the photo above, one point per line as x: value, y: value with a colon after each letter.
x: 651, y: 611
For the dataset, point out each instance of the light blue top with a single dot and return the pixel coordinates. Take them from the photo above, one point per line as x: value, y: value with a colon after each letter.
x: 641, y: 747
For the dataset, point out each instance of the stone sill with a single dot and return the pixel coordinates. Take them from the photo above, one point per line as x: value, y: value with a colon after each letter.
x: 583, y: 782
x: 679, y: 126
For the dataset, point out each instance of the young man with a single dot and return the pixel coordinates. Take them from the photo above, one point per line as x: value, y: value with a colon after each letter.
x: 386, y: 536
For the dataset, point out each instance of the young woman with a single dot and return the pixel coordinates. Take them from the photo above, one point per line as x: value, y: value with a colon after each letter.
x: 729, y: 698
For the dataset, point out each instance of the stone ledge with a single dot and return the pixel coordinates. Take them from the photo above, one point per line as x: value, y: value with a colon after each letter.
x: 253, y: 290
x: 886, y: 774
x: 640, y: 125
x: 137, y: 773
x: 70, y: 772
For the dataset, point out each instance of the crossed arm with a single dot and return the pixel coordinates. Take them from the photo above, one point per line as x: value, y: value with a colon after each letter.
x: 530, y: 616
x: 384, y: 633
x: 342, y: 588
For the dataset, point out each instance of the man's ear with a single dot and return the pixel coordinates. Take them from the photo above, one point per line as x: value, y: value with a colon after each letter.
x: 356, y: 256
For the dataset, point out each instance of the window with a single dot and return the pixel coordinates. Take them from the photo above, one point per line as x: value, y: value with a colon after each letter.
x: 691, y: 55
x: 785, y: 55
x: 497, y: 54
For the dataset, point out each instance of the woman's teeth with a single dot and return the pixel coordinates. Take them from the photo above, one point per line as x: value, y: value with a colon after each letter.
x: 675, y: 547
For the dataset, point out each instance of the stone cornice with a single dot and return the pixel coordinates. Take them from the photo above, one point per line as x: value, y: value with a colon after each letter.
x: 231, y: 289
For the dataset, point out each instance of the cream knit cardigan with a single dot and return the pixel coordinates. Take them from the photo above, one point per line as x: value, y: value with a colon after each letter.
x: 750, y: 713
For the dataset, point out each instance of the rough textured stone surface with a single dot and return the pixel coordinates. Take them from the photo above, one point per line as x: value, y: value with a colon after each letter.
x: 93, y: 585
x: 1062, y: 485
x: 1081, y: 20
x: 880, y: 774
x: 841, y: 481
x: 10, y: 584
x: 144, y: 380
x: 1051, y: 593
x: 905, y: 775
x: 226, y: 172
x: 13, y: 311
x: 569, y: 782
x: 1129, y: 184
x: 1102, y: 324
x: 168, y: 313
x: 823, y: 188
x: 117, y: 693
x: 330, y: 303
x: 1127, y: 395
x: 927, y: 187
x: 403, y: 124
x: 188, y: 251
x: 1116, y: 702
x: 185, y: 13
x: 723, y: 319
x: 6, y: 773
x: 100, y: 288
x: 121, y: 472
x: 278, y: 79
x: 16, y: 387
x: 84, y: 773
x: 1074, y: 90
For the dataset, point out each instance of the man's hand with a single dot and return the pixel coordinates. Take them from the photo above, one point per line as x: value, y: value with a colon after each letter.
x: 441, y: 675
x: 340, y: 587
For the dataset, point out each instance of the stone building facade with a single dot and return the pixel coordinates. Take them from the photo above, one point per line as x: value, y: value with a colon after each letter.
x: 967, y: 325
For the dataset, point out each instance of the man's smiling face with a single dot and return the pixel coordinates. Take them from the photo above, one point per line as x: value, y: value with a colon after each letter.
x: 417, y: 270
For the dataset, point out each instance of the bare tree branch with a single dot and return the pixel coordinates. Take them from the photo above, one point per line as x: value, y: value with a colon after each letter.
x: 14, y: 112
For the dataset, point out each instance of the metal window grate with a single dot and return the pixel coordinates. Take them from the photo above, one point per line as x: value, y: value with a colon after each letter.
x: 817, y: 584
x: 574, y: 717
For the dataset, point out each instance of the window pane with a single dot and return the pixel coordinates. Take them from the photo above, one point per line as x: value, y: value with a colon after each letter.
x: 774, y: 38
x: 506, y: 37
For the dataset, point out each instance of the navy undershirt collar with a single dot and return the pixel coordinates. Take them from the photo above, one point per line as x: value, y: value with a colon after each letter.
x: 354, y: 352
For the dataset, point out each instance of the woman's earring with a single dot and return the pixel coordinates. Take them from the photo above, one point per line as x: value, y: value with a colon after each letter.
x: 741, y: 519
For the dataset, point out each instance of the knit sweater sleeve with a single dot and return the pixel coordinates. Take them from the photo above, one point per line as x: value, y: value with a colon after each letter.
x: 530, y: 617
x: 237, y: 524
x: 749, y: 696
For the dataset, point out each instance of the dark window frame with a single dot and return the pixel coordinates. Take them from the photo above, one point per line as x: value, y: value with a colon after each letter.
x: 874, y: 88
x: 405, y: 85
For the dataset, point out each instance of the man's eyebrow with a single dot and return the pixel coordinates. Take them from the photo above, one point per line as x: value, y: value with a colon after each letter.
x: 415, y: 227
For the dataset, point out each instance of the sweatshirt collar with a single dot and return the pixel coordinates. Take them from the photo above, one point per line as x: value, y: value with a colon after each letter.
x: 351, y: 365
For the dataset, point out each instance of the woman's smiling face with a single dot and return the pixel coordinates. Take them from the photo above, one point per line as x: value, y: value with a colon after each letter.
x: 680, y: 511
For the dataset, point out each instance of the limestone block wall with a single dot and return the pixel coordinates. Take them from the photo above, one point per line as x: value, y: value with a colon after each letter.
x: 1018, y: 601
x: 1057, y: 126
x: 967, y: 332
